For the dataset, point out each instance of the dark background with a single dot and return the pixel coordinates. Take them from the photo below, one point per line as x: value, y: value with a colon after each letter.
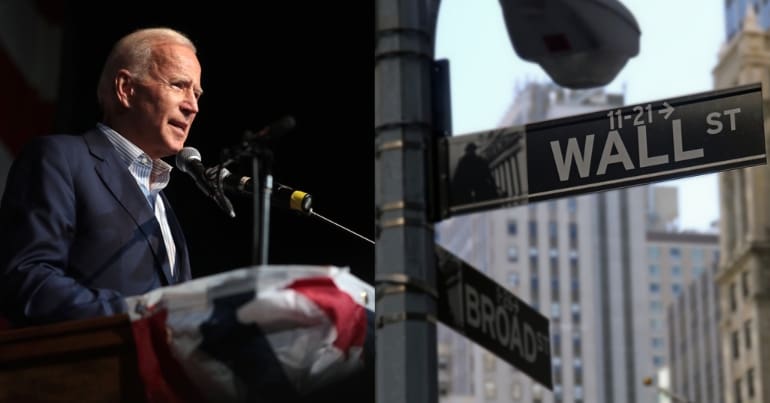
x: 261, y: 61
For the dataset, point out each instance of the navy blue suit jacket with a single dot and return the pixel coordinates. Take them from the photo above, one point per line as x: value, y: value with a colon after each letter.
x: 77, y: 234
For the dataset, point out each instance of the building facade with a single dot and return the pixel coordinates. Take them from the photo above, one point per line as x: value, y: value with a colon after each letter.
x: 694, y: 359
x: 675, y: 260
x: 577, y: 260
x: 744, y: 270
x: 735, y: 11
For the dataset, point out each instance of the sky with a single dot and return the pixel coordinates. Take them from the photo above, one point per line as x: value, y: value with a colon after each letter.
x: 679, y: 48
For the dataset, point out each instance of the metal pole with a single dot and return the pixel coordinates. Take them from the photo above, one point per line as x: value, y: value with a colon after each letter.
x: 406, y: 370
x: 256, y: 238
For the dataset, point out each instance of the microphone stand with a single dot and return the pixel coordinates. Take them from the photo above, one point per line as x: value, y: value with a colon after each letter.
x: 261, y: 166
x: 262, y: 232
x: 254, y: 144
x: 261, y: 170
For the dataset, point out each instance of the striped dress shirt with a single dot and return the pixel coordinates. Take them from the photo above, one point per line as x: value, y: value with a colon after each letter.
x: 152, y: 177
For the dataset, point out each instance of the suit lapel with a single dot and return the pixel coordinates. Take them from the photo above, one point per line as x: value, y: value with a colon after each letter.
x: 122, y: 185
x: 182, y: 260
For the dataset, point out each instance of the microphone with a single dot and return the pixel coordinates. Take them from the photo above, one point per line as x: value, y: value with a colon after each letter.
x: 189, y: 161
x: 272, y: 131
x: 282, y: 195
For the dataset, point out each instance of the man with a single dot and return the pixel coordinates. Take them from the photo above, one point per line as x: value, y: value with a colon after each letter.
x: 83, y: 221
x: 473, y: 180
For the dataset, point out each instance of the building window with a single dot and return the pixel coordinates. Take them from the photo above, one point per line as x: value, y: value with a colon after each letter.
x: 489, y: 362
x: 512, y: 228
x: 513, y: 279
x: 745, y: 283
x: 738, y: 391
x: 653, y: 252
x: 573, y: 234
x: 533, y: 257
x: 576, y: 345
x: 577, y: 363
x: 573, y: 256
x: 533, y: 229
x: 443, y: 362
x: 747, y: 331
x: 516, y: 391
x: 656, y: 324
x: 578, y: 375
x: 572, y: 205
x: 513, y: 254
x: 553, y: 253
x: 750, y: 383
x: 654, y: 288
x: 578, y: 392
x: 553, y: 230
x: 676, y: 288
x: 736, y: 345
x: 733, y: 298
x: 697, y: 256
x: 697, y: 270
x: 676, y: 270
x: 657, y: 342
x: 654, y: 271
x: 443, y: 388
x: 552, y: 205
x: 657, y: 361
x: 556, y: 343
x: 575, y: 312
x: 676, y: 254
x: 490, y: 390
x: 555, y: 309
x: 656, y: 306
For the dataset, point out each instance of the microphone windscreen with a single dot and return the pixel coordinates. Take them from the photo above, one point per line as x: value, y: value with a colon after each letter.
x: 185, y: 155
x: 273, y: 131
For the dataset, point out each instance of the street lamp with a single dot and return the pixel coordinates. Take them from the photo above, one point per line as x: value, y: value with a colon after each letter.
x: 673, y: 396
x: 579, y: 43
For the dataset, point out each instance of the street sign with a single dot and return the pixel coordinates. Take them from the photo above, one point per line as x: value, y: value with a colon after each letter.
x: 633, y: 145
x: 487, y: 313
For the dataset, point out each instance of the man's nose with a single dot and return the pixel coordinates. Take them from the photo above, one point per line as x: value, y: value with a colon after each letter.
x: 190, y: 104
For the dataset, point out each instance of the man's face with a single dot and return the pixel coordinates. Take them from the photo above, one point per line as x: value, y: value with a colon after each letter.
x: 166, y: 101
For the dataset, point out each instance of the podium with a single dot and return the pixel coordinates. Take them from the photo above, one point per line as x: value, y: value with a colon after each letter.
x: 91, y: 360
x: 232, y: 336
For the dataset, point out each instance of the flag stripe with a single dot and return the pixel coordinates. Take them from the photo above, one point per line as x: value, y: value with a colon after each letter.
x: 164, y: 379
x: 343, y: 312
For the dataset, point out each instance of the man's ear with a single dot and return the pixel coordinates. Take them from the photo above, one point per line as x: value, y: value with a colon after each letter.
x: 124, y: 88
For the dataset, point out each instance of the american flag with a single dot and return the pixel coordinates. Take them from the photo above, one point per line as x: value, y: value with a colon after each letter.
x: 30, y: 49
x: 272, y: 333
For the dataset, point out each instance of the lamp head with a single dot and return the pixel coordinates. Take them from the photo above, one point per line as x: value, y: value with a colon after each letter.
x: 579, y: 43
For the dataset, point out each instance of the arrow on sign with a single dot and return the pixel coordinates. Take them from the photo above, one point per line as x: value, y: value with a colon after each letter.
x: 668, y: 111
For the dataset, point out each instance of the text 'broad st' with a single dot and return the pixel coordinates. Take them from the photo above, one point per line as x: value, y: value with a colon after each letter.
x: 487, y: 313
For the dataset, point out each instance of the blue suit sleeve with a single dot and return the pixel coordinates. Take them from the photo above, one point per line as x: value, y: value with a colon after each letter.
x: 37, y: 227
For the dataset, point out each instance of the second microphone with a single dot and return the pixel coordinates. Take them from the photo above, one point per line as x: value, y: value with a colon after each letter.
x: 282, y: 196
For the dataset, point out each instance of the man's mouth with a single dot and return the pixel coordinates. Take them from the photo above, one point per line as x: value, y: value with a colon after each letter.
x: 181, y: 125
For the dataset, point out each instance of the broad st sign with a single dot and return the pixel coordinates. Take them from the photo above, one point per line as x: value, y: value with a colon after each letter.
x: 490, y: 315
x: 637, y: 144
